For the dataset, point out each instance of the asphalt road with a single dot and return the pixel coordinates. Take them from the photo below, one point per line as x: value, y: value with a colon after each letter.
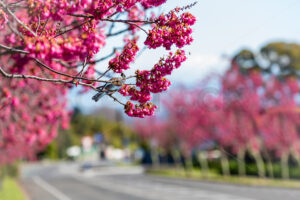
x: 65, y: 182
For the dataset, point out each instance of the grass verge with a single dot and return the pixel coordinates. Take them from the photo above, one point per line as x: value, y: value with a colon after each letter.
x: 213, y: 177
x: 10, y: 190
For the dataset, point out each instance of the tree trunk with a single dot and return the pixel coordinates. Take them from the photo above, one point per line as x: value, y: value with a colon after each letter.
x: 177, y: 159
x: 298, y: 161
x: 269, y: 166
x: 285, y: 166
x: 188, y: 162
x: 203, y: 163
x: 260, y: 165
x: 155, y: 158
x: 224, y: 164
x: 296, y: 158
x: 241, y: 162
x: 270, y: 169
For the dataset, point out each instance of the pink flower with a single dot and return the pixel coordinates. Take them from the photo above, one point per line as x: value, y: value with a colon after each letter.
x: 140, y: 110
x: 171, y: 29
x: 121, y: 62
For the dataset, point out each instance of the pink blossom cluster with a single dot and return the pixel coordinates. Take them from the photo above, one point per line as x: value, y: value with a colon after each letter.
x: 30, y: 117
x: 150, y: 3
x: 173, y: 61
x: 49, y: 9
x: 100, y: 8
x: 121, y: 62
x: 135, y: 95
x: 56, y: 9
x: 70, y: 48
x: 43, y: 48
x: 3, y: 19
x: 141, y: 110
x: 171, y: 29
x: 153, y: 81
x: 136, y: 13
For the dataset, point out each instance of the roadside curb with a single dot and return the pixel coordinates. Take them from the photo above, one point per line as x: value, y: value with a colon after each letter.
x: 27, y: 197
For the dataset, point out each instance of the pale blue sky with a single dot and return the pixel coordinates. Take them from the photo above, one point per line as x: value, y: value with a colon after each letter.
x: 223, y: 27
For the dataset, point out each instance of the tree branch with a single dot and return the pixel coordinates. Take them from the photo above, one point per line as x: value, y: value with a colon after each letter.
x: 114, y: 20
x: 68, y: 75
x: 12, y: 49
x: 71, y: 29
x: 117, y: 33
x: 115, y: 99
x: 22, y: 76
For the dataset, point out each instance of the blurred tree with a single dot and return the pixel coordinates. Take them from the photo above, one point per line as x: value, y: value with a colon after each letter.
x: 277, y: 58
x: 116, y: 134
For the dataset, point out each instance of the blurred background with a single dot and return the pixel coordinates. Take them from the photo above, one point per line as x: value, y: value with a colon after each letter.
x: 229, y: 122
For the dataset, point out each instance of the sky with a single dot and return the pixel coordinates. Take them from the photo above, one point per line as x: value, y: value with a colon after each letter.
x: 223, y: 28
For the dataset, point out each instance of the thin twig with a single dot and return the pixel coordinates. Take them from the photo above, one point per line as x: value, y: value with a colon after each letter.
x: 16, y: 18
x: 71, y: 29
x: 128, y: 21
x: 114, y: 20
x: 21, y: 76
x: 11, y: 49
x: 68, y: 75
x: 117, y: 33
x: 103, y: 74
x: 14, y: 30
x: 38, y: 27
x: 115, y: 99
x: 15, y: 3
x: 133, y: 24
x: 105, y: 57
x: 83, y: 67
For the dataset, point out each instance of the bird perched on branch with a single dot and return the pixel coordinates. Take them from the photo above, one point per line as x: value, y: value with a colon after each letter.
x: 113, y: 86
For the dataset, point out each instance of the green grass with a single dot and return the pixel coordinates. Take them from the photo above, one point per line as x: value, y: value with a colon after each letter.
x: 10, y: 190
x: 214, y: 177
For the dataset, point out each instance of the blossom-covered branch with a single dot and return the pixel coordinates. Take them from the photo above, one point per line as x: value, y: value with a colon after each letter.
x: 60, y: 39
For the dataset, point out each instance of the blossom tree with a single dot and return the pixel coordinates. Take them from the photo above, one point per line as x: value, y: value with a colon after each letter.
x: 270, y: 110
x: 192, y: 119
x: 157, y: 136
x: 49, y: 46
x: 29, y: 118
x: 280, y: 124
x: 241, y: 131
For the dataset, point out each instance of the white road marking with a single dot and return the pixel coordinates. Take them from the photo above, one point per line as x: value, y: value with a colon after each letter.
x: 49, y: 188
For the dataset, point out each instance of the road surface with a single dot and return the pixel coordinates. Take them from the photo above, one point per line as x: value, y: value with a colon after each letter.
x: 65, y: 182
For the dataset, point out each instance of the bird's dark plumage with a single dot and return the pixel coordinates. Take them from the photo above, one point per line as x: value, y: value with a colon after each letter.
x: 109, y: 88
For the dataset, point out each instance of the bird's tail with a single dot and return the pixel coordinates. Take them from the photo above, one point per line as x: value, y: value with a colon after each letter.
x: 98, y: 96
